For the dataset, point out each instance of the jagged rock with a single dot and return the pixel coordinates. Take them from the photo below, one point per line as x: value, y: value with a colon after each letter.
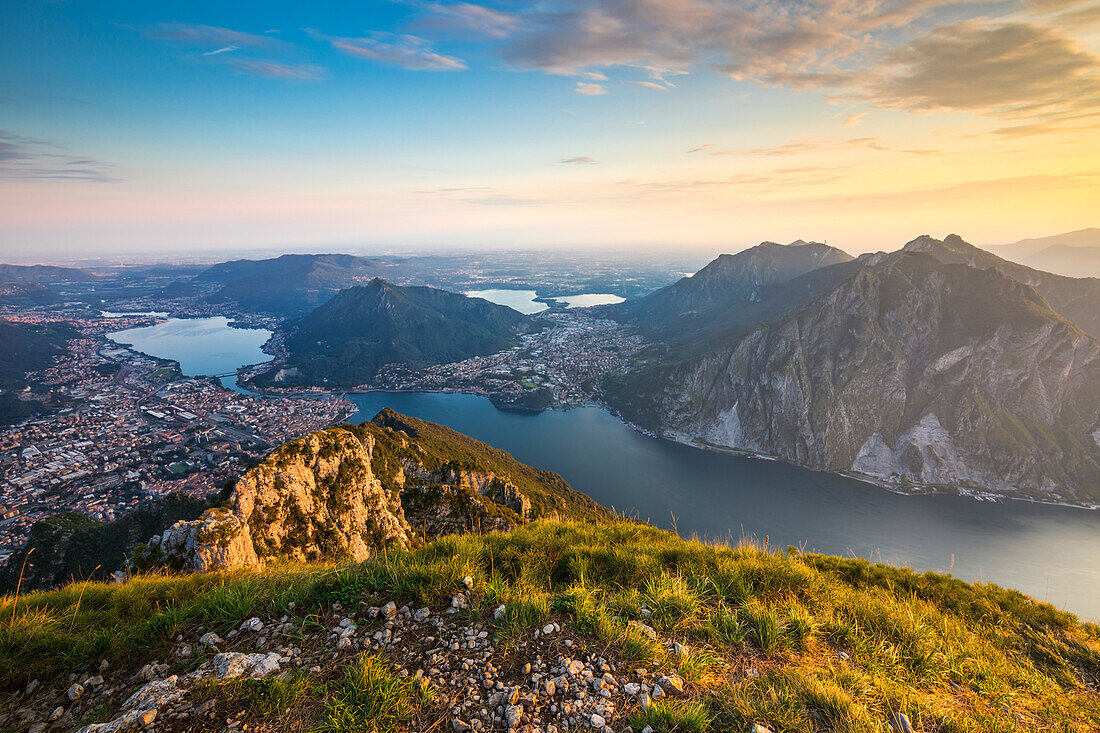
x: 673, y: 684
x: 154, y: 695
x: 313, y: 498
x: 74, y: 692
x: 236, y: 664
x: 513, y: 714
x: 219, y: 540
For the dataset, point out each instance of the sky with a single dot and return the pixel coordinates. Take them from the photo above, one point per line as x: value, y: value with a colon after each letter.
x: 140, y: 128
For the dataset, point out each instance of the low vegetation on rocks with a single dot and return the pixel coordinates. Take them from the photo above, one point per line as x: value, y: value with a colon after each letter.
x: 553, y: 626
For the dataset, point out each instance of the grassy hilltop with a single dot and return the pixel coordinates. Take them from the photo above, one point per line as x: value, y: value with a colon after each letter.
x: 793, y: 642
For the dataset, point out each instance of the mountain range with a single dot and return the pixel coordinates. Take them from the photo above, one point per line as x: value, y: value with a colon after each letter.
x: 290, y: 285
x: 726, y: 285
x: 939, y: 364
x: 1076, y: 254
x: 44, y: 274
x: 346, y: 340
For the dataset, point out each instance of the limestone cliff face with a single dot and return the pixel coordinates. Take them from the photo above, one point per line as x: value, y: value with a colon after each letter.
x: 318, y: 498
x: 346, y: 493
x: 911, y: 370
x: 315, y: 498
x: 217, y: 540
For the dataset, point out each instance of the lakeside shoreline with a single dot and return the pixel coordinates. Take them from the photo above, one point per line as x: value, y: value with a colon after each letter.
x: 913, y: 489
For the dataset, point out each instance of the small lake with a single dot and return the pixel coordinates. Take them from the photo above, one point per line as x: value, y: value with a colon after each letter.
x: 524, y: 300
x: 587, y: 300
x: 134, y: 314
x: 202, y: 346
x: 1045, y: 551
x: 520, y: 300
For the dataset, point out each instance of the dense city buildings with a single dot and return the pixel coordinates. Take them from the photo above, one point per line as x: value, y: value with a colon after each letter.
x: 134, y: 429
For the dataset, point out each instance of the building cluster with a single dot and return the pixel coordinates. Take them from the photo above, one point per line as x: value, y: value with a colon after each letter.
x: 569, y: 356
x: 134, y: 429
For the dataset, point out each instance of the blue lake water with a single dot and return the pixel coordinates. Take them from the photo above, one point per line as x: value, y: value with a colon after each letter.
x: 1046, y: 551
x: 202, y: 346
x: 524, y: 300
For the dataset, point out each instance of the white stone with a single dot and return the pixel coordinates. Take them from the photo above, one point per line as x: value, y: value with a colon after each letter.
x: 209, y: 639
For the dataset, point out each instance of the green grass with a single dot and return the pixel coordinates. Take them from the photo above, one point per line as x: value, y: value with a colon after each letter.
x: 798, y: 643
x: 673, y: 716
x: 269, y: 697
x: 373, y: 698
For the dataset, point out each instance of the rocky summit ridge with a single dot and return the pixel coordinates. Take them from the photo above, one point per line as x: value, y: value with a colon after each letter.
x: 928, y: 367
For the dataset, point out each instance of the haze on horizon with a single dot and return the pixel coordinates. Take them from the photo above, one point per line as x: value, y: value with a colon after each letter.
x: 133, y: 127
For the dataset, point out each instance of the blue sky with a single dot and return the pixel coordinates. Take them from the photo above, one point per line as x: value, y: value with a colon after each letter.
x: 649, y: 123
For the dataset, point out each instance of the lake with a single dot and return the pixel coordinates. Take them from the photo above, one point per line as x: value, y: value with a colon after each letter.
x: 1046, y: 551
x: 202, y: 346
x: 524, y: 300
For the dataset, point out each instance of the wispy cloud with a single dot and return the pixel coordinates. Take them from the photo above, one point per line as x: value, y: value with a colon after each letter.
x: 27, y: 159
x: 394, y: 49
x: 853, y: 120
x: 580, y: 159
x: 196, y: 34
x: 757, y: 183
x: 463, y: 20
x: 277, y: 70
x: 815, y: 145
x: 228, y: 42
x: 589, y: 89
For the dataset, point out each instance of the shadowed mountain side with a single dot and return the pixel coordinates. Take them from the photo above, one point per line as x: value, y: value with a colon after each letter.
x: 363, y: 328
x: 1076, y: 298
x: 911, y: 370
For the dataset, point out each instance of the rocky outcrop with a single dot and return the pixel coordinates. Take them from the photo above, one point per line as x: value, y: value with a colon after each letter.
x: 348, y: 492
x: 318, y: 498
x: 219, y: 540
x: 910, y: 371
x: 315, y: 498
